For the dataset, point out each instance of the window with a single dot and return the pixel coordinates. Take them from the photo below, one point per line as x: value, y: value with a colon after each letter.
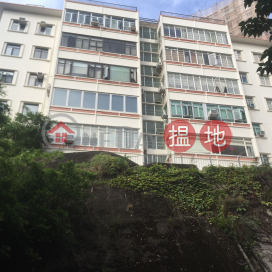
x: 187, y: 109
x: 40, y: 53
x: 12, y: 50
x: 148, y: 33
x: 93, y: 70
x: 207, y: 58
x: 148, y: 79
x: 264, y: 159
x: 30, y: 107
x: 256, y: 129
x: 35, y: 80
x: 195, y: 34
x: 87, y: 100
x: 18, y: 26
x: 152, y: 104
x: 98, y: 44
x: 80, y: 17
x: 243, y: 77
x: 238, y: 55
x: 149, y: 57
x: 45, y: 30
x: 257, y: 57
x: 265, y: 80
x: 6, y: 76
x: 200, y: 111
x: 153, y: 141
x: 201, y: 83
x: 249, y: 100
x: 269, y: 104
x: 149, y: 47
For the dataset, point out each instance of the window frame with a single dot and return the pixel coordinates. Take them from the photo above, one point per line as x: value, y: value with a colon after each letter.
x: 7, y: 71
x: 12, y: 45
x: 125, y: 44
x: 41, y: 49
x: 242, y: 75
x: 49, y: 26
x: 36, y: 80
x: 82, y: 93
x: 102, y: 19
x: 256, y: 128
x: 238, y: 55
x: 30, y: 103
x: 17, y: 21
x: 266, y: 80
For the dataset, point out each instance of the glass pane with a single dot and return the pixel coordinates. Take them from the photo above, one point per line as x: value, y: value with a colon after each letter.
x: 59, y: 97
x: 119, y: 74
x: 44, y: 54
x: 31, y: 107
x: 32, y: 79
x: 74, y: 99
x: 150, y: 127
x: 8, y: 50
x: 89, y: 100
x: 117, y: 103
x: 149, y: 97
x: 131, y: 104
x: 80, y: 69
x: 103, y: 101
x: 37, y: 53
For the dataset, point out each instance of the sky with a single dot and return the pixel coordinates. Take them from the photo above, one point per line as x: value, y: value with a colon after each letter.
x: 147, y: 8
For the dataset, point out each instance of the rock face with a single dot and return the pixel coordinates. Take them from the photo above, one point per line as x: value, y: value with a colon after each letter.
x: 129, y: 231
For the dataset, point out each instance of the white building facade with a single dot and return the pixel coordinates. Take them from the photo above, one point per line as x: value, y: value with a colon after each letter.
x: 117, y: 80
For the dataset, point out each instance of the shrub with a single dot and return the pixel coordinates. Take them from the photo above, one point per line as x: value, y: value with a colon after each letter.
x: 107, y: 166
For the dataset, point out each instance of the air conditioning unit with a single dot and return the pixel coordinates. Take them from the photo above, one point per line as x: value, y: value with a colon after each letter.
x: 43, y: 24
x: 158, y: 100
x: 22, y: 19
x: 70, y: 139
x: 161, y: 89
x: 159, y: 131
x: 133, y: 28
x: 261, y: 133
x: 212, y: 114
x: 159, y: 66
x: 94, y: 23
x: 164, y: 116
x: 251, y: 105
x: 39, y: 75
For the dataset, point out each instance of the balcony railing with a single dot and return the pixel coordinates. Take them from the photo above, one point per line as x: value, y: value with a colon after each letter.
x: 200, y: 160
x: 191, y: 17
x: 105, y: 4
x: 153, y: 21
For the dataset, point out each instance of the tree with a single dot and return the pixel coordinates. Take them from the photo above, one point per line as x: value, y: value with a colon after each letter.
x: 40, y: 208
x: 255, y: 26
x: 4, y: 108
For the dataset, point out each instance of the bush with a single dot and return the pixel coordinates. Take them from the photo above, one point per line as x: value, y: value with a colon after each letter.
x: 39, y: 207
x: 107, y: 166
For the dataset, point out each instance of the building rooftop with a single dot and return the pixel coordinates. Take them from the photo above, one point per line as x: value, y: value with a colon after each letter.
x: 37, y: 9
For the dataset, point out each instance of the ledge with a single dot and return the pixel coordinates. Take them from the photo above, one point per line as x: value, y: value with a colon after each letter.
x: 205, y: 93
x: 98, y: 112
x: 201, y: 121
x: 200, y: 65
x: 108, y: 54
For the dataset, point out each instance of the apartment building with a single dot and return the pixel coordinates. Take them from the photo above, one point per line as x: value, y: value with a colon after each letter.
x: 29, y: 41
x: 116, y: 80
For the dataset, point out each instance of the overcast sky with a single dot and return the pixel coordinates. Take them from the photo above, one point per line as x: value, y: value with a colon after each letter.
x: 147, y: 8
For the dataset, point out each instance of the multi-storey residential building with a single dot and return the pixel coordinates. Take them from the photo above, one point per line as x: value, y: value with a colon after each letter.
x: 116, y: 80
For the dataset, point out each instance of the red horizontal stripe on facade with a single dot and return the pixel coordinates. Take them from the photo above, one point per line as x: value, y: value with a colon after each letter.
x: 129, y: 115
x: 83, y: 111
x: 130, y: 150
x: 60, y: 108
x: 108, y: 113
x: 65, y: 77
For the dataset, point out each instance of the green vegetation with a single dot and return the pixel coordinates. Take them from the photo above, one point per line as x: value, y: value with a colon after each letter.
x: 227, y: 197
x: 257, y: 25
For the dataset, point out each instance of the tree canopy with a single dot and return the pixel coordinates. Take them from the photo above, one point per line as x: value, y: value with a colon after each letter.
x: 256, y: 26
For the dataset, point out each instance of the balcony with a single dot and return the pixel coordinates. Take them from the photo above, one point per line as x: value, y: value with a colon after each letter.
x: 191, y: 17
x: 105, y: 4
